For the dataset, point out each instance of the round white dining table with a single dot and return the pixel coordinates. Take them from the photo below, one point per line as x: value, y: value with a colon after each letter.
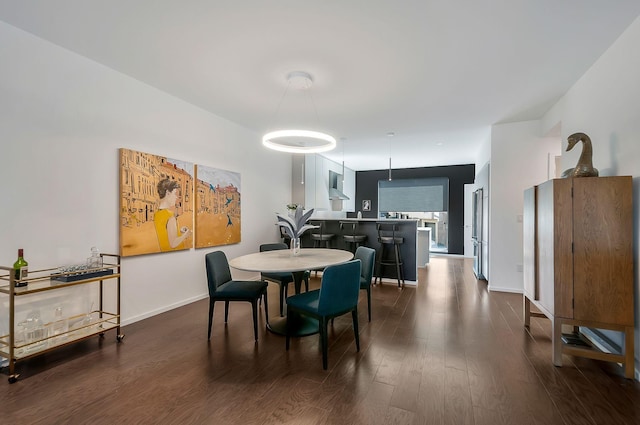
x: 284, y: 261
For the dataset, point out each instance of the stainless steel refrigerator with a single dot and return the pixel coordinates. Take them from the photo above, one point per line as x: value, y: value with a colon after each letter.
x: 476, y: 234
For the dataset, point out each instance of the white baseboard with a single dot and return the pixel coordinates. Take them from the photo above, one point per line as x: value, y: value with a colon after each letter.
x: 446, y: 254
x: 164, y: 309
x: 498, y: 289
x: 395, y: 282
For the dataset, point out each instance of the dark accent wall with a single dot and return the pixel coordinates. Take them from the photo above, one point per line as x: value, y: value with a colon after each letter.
x: 458, y: 175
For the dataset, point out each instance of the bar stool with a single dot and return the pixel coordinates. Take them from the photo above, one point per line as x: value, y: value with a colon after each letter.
x: 351, y: 239
x: 389, y: 253
x: 320, y: 237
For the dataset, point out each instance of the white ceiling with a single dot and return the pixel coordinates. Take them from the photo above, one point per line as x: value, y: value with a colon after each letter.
x: 437, y: 73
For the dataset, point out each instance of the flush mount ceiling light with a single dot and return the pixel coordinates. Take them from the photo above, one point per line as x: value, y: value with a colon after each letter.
x: 295, y: 140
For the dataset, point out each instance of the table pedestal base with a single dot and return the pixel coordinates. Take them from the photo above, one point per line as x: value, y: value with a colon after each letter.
x: 303, y: 326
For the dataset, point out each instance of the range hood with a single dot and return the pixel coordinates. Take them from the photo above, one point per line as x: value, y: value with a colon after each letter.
x: 337, y: 194
x: 335, y: 186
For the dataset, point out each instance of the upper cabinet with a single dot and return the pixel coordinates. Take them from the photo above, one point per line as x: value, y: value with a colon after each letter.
x: 317, y: 182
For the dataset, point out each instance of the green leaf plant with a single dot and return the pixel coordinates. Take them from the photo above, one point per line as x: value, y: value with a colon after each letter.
x: 296, y: 226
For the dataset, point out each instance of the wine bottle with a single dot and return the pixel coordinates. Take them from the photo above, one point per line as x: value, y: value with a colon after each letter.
x: 20, y: 269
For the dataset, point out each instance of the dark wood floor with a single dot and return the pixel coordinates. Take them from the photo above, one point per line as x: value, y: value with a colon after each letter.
x: 446, y: 352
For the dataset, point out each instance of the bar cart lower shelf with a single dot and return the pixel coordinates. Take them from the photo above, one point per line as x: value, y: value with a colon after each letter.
x: 78, y: 327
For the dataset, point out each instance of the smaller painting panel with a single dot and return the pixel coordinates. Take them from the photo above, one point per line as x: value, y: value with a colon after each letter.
x: 218, y: 218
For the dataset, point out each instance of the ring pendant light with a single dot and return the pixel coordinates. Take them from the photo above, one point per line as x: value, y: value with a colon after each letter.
x: 297, y: 140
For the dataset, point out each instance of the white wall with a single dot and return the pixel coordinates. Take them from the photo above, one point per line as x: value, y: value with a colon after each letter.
x: 62, y: 119
x: 483, y: 156
x: 605, y: 104
x: 519, y: 159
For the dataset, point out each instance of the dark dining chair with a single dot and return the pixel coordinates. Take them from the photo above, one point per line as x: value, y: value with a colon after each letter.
x: 223, y: 288
x: 286, y: 239
x: 368, y: 258
x: 281, y: 278
x: 338, y: 295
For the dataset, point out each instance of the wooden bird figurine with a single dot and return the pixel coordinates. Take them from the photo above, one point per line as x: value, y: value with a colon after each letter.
x: 584, y: 167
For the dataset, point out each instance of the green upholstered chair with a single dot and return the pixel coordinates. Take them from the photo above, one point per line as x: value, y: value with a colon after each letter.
x: 223, y: 288
x: 368, y: 258
x: 283, y: 279
x: 338, y: 295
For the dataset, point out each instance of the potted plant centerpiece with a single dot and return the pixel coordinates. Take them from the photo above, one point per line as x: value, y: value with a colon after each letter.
x: 295, y: 224
x: 291, y: 210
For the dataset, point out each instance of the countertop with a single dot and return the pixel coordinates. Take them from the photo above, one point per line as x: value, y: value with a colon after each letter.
x: 408, y: 220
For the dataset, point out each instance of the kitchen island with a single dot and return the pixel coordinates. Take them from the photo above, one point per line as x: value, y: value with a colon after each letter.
x: 407, y: 229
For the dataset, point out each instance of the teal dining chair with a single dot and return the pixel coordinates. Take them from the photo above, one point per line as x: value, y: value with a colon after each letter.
x: 368, y: 258
x: 223, y: 288
x: 338, y: 295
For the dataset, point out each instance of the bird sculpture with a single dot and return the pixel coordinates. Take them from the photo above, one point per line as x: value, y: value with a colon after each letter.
x: 584, y: 167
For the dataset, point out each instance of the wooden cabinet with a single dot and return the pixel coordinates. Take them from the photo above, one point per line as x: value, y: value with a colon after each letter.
x: 578, y: 262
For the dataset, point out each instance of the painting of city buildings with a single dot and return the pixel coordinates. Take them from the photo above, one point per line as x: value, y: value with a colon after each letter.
x: 217, y: 207
x: 156, y: 203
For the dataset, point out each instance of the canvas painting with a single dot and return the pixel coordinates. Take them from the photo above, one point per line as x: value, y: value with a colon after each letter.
x: 156, y: 203
x: 217, y: 207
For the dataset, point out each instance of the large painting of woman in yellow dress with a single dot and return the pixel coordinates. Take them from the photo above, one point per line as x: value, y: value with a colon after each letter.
x: 156, y: 203
x: 170, y: 237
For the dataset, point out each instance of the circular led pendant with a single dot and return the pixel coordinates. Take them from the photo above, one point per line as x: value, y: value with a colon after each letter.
x: 299, y: 141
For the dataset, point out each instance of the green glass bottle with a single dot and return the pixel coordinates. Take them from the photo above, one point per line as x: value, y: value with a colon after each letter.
x: 20, y: 269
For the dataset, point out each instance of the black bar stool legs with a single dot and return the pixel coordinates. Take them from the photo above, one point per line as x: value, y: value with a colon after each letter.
x: 389, y: 252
